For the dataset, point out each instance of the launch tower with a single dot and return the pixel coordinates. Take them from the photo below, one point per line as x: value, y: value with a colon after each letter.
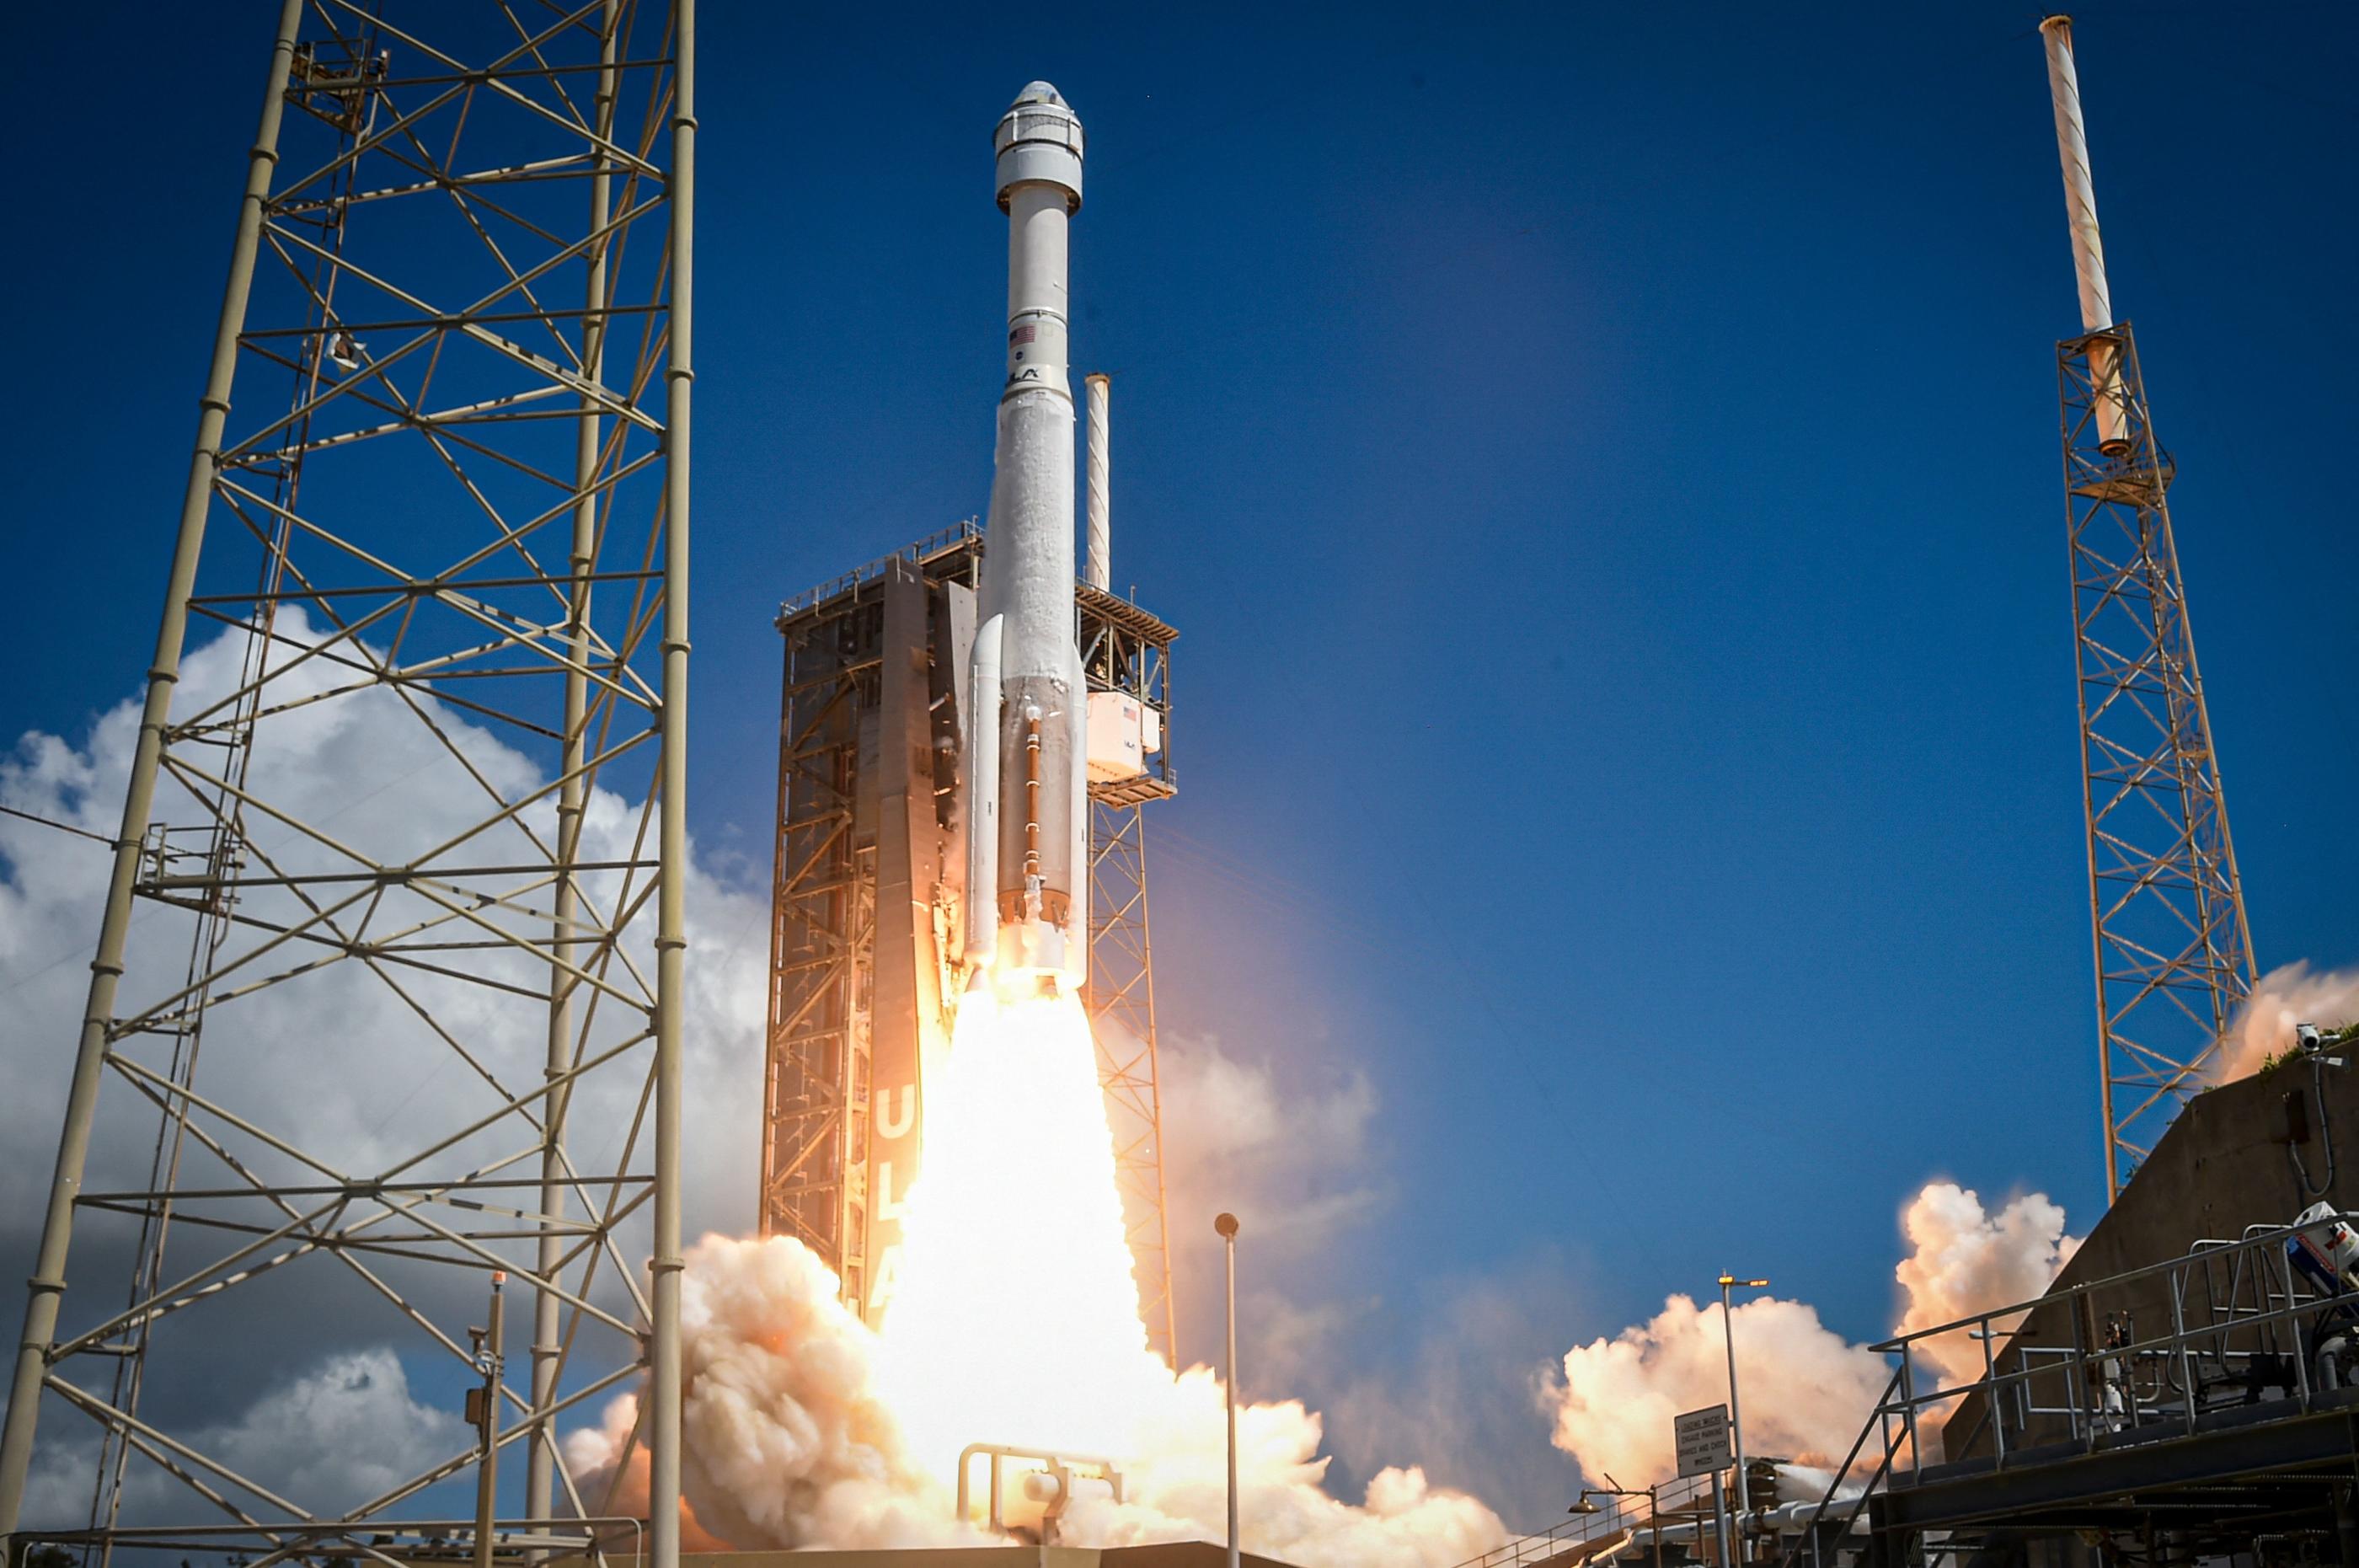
x: 865, y: 912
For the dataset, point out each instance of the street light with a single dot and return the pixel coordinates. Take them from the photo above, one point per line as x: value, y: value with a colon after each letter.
x: 1737, y: 1411
x: 1582, y: 1505
x: 1227, y: 1225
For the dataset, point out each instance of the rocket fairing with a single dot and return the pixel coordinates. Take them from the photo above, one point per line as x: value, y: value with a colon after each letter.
x: 1028, y: 880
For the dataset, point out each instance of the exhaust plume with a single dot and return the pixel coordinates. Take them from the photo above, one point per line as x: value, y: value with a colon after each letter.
x: 1015, y: 1320
x: 789, y: 1443
x: 2264, y: 1027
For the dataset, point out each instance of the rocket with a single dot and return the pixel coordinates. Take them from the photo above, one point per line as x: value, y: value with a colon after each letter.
x: 1028, y: 868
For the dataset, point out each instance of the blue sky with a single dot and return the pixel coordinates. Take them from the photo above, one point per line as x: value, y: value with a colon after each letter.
x: 1602, y: 461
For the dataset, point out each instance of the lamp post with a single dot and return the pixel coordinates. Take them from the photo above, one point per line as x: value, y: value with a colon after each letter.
x: 1737, y: 1411
x: 1582, y: 1505
x: 484, y: 1406
x: 1227, y: 1225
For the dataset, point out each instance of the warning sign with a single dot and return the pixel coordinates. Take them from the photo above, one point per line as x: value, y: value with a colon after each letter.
x: 1702, y: 1439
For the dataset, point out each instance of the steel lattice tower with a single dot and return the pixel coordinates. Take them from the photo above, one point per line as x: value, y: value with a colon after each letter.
x: 448, y: 511
x: 2174, y: 958
x: 2165, y: 909
x: 1121, y: 999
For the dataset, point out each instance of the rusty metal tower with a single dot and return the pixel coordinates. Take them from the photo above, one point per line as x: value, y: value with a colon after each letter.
x: 446, y: 510
x: 2174, y: 958
x: 2166, y: 906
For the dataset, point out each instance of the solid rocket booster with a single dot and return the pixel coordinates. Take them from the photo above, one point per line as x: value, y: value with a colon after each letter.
x: 1027, y: 878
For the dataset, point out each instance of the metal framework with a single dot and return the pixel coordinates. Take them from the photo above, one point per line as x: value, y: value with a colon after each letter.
x: 2174, y: 958
x: 435, y: 981
x: 827, y: 1137
x: 1125, y: 649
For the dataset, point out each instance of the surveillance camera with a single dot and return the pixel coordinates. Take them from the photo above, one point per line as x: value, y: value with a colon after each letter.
x: 2306, y: 1037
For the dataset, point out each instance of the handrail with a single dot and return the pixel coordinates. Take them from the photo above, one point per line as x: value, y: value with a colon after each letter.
x: 1595, y: 1530
x: 926, y: 549
x: 1809, y: 1534
x: 2226, y: 1303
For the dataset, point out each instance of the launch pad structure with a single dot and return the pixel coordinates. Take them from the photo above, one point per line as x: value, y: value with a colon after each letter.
x: 864, y: 918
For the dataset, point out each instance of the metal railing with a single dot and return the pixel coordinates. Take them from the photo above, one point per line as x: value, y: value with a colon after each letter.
x: 2075, y: 1366
x: 1682, y: 1504
x: 923, y: 550
x: 2062, y: 1374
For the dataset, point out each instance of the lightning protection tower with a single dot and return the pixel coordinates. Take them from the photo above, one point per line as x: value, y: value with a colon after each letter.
x: 2174, y: 958
x: 387, y: 1002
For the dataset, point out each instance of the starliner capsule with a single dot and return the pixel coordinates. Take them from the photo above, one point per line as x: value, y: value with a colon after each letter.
x: 1028, y: 879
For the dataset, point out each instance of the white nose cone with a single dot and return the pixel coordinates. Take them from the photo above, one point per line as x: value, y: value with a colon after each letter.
x: 1040, y: 139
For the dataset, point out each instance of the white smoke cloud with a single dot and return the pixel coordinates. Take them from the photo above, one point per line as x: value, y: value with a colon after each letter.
x: 1807, y: 1388
x: 1964, y: 1260
x: 788, y: 1445
x: 1296, y: 1150
x: 2287, y: 997
x: 1808, y: 1391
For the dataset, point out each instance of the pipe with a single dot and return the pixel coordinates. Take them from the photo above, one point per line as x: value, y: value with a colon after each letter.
x: 1099, y: 571
x: 671, y: 907
x: 1059, y: 1463
x: 981, y: 742
x: 2088, y: 245
x: 487, y: 1469
x: 572, y: 798
x: 48, y: 1282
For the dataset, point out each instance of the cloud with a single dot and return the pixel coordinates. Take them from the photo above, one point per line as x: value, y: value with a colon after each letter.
x: 340, y: 1060
x: 1807, y: 1388
x: 347, y: 1431
x: 1294, y: 1152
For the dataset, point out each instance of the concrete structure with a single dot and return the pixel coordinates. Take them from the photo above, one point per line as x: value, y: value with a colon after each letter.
x: 2252, y: 1153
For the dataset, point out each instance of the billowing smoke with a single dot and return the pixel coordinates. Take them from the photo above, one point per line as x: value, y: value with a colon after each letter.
x: 786, y: 1443
x: 2287, y: 997
x: 788, y: 1446
x: 1806, y: 1388
x: 1965, y: 1260
x: 1808, y: 1391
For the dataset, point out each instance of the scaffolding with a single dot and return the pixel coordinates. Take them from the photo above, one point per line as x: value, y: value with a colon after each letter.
x: 403, y: 836
x: 2174, y: 958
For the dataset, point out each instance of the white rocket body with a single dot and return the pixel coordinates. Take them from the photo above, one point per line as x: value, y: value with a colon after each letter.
x: 1027, y: 868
